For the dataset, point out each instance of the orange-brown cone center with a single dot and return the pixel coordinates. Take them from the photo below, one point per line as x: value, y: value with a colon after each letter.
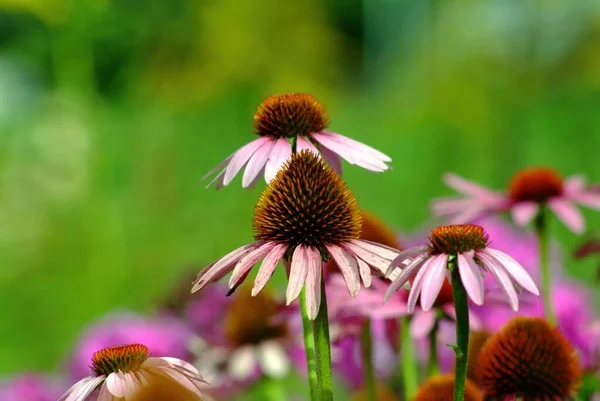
x: 123, y: 358
x: 441, y: 388
x: 458, y: 238
x: 537, y: 184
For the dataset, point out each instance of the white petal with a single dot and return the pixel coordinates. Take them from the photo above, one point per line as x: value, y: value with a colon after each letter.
x: 273, y: 359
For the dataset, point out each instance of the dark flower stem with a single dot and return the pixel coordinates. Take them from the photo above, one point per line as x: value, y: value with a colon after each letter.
x: 367, y: 356
x: 309, y: 348
x: 462, y: 330
x: 432, y: 364
x: 408, y: 366
x: 541, y: 229
x: 322, y: 349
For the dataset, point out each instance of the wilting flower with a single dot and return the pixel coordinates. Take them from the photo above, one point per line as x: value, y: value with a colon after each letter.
x: 119, y: 373
x: 163, y: 335
x: 441, y: 388
x: 468, y: 243
x: 529, y: 190
x: 31, y: 387
x: 248, y: 339
x: 529, y: 359
x: 305, y: 215
x: 293, y: 117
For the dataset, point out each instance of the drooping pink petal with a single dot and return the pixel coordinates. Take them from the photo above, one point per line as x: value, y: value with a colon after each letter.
x: 378, y: 249
x: 470, y: 276
x: 241, y: 157
x: 449, y: 206
x: 379, y: 263
x: 221, y: 166
x: 514, y: 269
x: 357, y: 145
x: 415, y: 289
x: 279, y: 154
x: 433, y: 281
x: 298, y: 273
x: 248, y: 261
x: 574, y: 184
x: 268, y: 267
x: 366, y: 160
x: 405, y: 275
x: 218, y: 269
x: 348, y: 267
x: 313, y: 282
x: 104, y: 394
x: 365, y: 272
x: 407, y: 255
x: 116, y: 385
x: 176, y: 362
x: 471, y: 188
x: 333, y: 159
x: 82, y: 389
x: 502, y: 279
x: 568, y: 214
x: 257, y: 163
x: 304, y: 144
x: 587, y: 198
x: 524, y: 212
x: 422, y: 323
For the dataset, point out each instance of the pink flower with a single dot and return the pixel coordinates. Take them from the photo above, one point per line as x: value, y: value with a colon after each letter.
x: 30, y: 387
x: 529, y: 190
x: 295, y: 117
x: 468, y: 244
x: 305, y: 215
x: 122, y: 372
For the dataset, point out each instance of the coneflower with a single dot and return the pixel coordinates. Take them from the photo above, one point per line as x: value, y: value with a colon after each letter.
x: 530, y: 360
x: 441, y: 388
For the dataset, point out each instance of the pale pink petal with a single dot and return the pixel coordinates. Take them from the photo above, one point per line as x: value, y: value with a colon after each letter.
x: 502, y: 279
x: 408, y: 255
x: 379, y: 263
x: 422, y: 323
x: 470, y: 275
x: 514, y: 269
x: 405, y: 275
x: 242, y: 362
x: 574, y: 184
x: 248, y: 261
x: 348, y: 267
x: 590, y: 199
x: 568, y: 214
x: 221, y: 166
x: 358, y: 145
x: 378, y: 249
x: 176, y: 362
x: 176, y: 374
x: 104, y: 394
x: 130, y: 384
x: 268, y: 267
x: 524, y: 212
x: 304, y: 144
x: 449, y: 206
x: 298, y: 272
x: 415, y: 289
x: 279, y: 154
x: 433, y: 281
x: 313, y: 282
x: 365, y: 272
x: 257, y: 163
x: 82, y: 389
x: 116, y: 384
x: 273, y: 359
x: 241, y: 157
x: 352, y: 154
x: 218, y: 269
x: 474, y: 212
x: 471, y: 188
x: 333, y: 159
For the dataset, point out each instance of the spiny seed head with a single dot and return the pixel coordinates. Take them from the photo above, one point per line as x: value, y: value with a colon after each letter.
x: 537, y: 184
x: 530, y: 359
x: 124, y: 358
x: 290, y: 115
x: 307, y: 203
x: 441, y: 388
x: 250, y: 320
x: 458, y: 238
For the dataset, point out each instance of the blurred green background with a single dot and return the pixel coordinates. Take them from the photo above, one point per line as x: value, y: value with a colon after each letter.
x: 111, y: 111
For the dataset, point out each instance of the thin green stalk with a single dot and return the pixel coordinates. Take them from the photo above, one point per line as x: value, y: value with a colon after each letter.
x: 462, y: 330
x: 309, y: 348
x: 410, y: 374
x: 367, y: 355
x: 541, y: 228
x: 322, y: 349
x: 432, y: 364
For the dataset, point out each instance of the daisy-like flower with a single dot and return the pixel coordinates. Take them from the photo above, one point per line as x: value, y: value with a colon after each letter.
x: 441, y: 388
x: 530, y: 360
x: 121, y: 372
x: 468, y: 244
x: 305, y: 215
x: 528, y: 191
x: 295, y: 117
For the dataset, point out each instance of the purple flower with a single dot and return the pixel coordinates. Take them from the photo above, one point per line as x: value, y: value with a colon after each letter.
x: 31, y: 387
x: 163, y: 335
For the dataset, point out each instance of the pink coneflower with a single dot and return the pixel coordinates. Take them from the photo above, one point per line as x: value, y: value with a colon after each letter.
x: 529, y: 190
x: 468, y: 245
x: 121, y: 372
x: 305, y: 215
x: 292, y: 117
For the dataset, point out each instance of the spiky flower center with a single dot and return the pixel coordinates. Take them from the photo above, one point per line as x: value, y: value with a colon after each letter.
x: 307, y: 203
x: 537, y: 184
x: 441, y: 388
x: 529, y: 358
x: 457, y: 238
x: 251, y: 320
x: 124, y: 358
x: 290, y: 115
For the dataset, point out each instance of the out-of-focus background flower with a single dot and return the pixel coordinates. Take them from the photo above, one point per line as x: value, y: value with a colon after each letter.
x: 111, y: 112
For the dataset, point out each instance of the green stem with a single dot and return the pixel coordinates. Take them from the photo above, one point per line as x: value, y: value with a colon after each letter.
x: 409, y: 364
x: 541, y: 228
x: 432, y: 364
x: 462, y: 330
x: 309, y: 347
x: 367, y: 354
x: 322, y: 349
